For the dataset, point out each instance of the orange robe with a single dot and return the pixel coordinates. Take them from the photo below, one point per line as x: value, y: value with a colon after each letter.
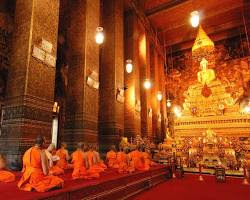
x: 111, y: 158
x: 6, y: 176
x: 147, y: 161
x: 137, y: 160
x: 33, y: 177
x: 100, y: 162
x: 79, y: 170
x: 122, y: 161
x: 93, y: 167
x: 53, y: 169
x: 63, y: 163
x: 131, y: 167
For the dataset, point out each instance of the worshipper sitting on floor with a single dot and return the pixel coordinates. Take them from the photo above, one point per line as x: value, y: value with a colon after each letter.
x: 131, y: 167
x: 93, y: 171
x: 111, y: 158
x: 137, y: 160
x: 122, y: 161
x: 92, y: 160
x: 53, y: 169
x: 64, y: 157
x: 80, y: 163
x: 97, y: 157
x: 147, y: 159
x: 36, y: 169
x: 5, y: 176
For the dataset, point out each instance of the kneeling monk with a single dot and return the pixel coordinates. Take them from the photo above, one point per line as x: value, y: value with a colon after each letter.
x: 122, y: 161
x: 35, y: 170
x: 5, y: 176
x: 111, y: 158
x: 64, y: 157
x: 137, y: 160
x: 93, y: 162
x: 79, y: 162
x: 53, y: 169
x: 98, y: 159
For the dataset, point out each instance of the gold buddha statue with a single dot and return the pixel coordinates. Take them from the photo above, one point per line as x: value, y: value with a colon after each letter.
x: 205, y: 76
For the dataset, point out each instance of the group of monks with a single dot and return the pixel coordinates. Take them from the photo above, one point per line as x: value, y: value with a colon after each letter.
x: 129, y: 162
x: 42, y: 166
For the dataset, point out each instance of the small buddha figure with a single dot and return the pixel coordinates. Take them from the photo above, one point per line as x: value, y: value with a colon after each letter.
x: 205, y: 76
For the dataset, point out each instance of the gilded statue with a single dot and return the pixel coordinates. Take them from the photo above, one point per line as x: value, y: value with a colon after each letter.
x: 205, y: 76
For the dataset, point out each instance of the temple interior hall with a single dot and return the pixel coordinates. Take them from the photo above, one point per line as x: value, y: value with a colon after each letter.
x: 124, y: 99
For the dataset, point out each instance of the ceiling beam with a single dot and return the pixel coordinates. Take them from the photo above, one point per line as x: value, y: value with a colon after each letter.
x: 211, y: 30
x: 216, y: 37
x: 206, y: 17
x: 164, y: 7
x: 135, y: 5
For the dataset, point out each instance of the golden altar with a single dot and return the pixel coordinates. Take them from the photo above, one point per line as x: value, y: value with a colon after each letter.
x: 208, y: 104
x: 212, y: 126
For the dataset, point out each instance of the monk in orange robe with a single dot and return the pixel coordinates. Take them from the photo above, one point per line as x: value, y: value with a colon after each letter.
x: 64, y: 157
x: 36, y: 169
x: 5, y: 176
x: 92, y: 169
x: 147, y: 160
x: 97, y: 158
x: 111, y: 158
x: 122, y: 161
x: 93, y: 162
x: 137, y: 160
x: 79, y: 161
x: 53, y: 169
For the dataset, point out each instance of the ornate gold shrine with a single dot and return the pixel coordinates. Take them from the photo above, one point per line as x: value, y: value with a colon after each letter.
x: 207, y: 103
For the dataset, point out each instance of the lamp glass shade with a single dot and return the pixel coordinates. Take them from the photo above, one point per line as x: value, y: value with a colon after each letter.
x: 147, y: 84
x: 129, y: 66
x: 195, y: 19
x: 99, y: 37
x: 159, y: 96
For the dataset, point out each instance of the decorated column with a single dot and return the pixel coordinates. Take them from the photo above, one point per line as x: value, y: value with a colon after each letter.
x: 83, y: 75
x: 30, y: 86
x: 132, y: 114
x: 111, y: 114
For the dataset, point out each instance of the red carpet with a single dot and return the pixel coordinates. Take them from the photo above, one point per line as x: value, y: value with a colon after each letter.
x: 77, y: 189
x: 189, y: 188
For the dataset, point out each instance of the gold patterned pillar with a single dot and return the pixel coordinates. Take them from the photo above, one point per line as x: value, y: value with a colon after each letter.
x: 82, y: 101
x: 30, y: 86
x: 163, y: 108
x: 132, y: 95
x: 154, y: 74
x: 144, y: 59
x: 111, y: 113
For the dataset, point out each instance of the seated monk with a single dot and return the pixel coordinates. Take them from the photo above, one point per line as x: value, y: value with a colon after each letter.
x: 131, y: 167
x: 122, y: 161
x: 97, y: 158
x: 5, y: 176
x: 79, y: 160
x: 64, y: 157
x: 147, y: 160
x: 36, y: 169
x: 137, y: 160
x: 53, y: 169
x: 111, y: 158
x: 92, y: 160
x: 93, y: 171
